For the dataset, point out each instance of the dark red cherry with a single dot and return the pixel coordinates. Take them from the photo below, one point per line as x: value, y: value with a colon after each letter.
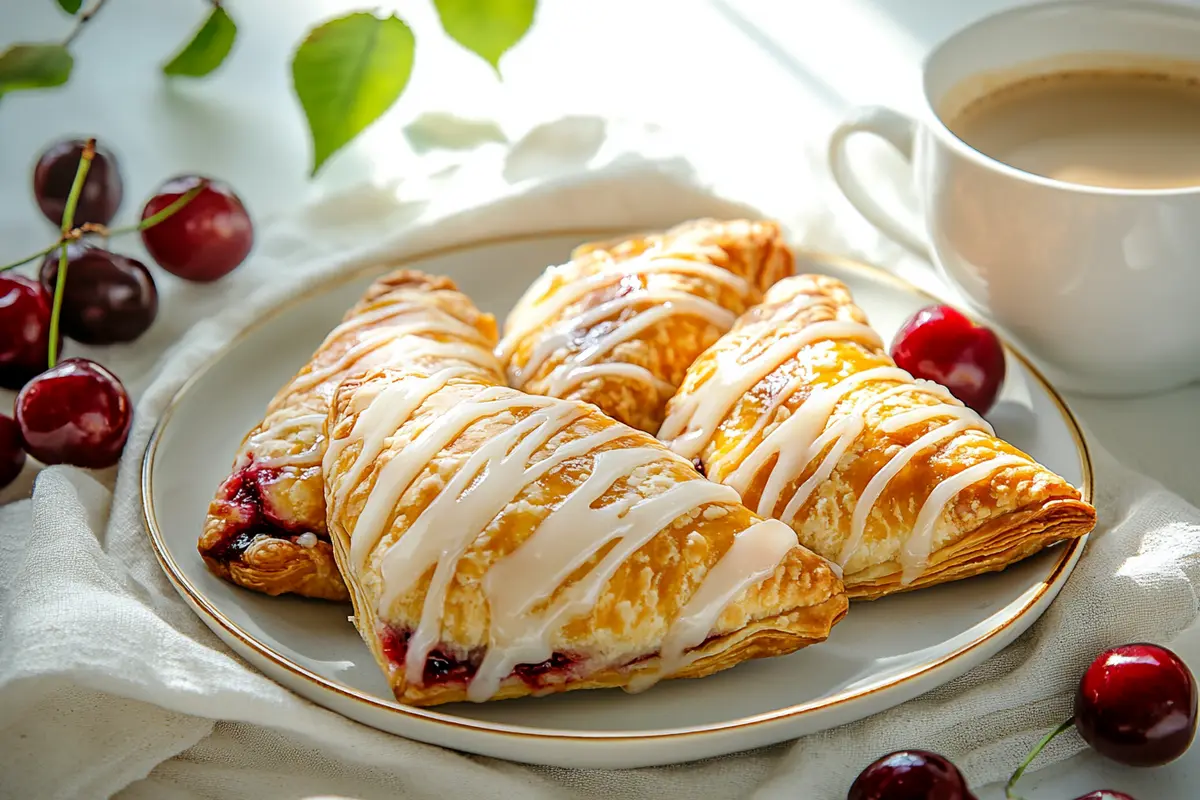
x: 108, y: 297
x: 910, y: 775
x: 939, y: 344
x: 55, y: 172
x: 24, y: 329
x: 77, y: 413
x: 204, y: 240
x: 1136, y: 704
x: 12, y: 453
x: 1105, y: 794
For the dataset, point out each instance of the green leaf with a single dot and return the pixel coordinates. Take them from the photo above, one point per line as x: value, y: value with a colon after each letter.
x: 207, y: 49
x: 346, y: 73
x: 487, y: 28
x: 70, y: 6
x: 34, y: 66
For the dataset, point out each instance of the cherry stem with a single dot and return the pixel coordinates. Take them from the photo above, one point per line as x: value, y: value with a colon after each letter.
x: 1016, y: 776
x: 84, y: 18
x: 43, y: 252
x: 75, y: 234
x: 175, y: 205
x: 68, y: 220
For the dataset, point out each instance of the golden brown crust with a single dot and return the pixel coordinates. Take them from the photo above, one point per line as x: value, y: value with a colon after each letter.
x: 990, y: 548
x: 766, y: 638
x: 265, y: 529
x: 1002, y: 517
x: 621, y: 634
x: 754, y: 251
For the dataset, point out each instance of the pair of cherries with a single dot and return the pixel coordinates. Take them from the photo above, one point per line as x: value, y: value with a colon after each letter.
x: 78, y: 412
x: 1136, y: 704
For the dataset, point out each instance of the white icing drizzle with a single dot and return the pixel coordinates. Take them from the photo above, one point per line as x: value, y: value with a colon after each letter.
x: 915, y: 416
x: 569, y: 536
x: 559, y: 335
x: 752, y: 558
x: 435, y: 318
x: 396, y: 475
x: 563, y: 375
x: 693, y: 419
x: 561, y: 384
x: 565, y: 540
x: 846, y: 433
x: 309, y: 456
x: 464, y: 508
x: 879, y: 482
x: 663, y: 304
x: 377, y: 347
x: 307, y: 539
x: 798, y: 439
x: 376, y: 420
x: 659, y: 305
x: 807, y: 432
x: 914, y: 553
x: 283, y: 426
x: 548, y: 306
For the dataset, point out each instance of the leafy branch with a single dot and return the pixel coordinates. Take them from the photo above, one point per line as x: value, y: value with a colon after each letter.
x: 346, y: 72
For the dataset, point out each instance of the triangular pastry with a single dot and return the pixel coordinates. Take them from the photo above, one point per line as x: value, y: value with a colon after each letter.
x: 802, y: 411
x: 619, y: 324
x: 499, y: 544
x: 265, y: 529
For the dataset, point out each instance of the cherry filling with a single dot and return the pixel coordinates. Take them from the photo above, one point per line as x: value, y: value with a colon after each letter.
x: 252, y: 517
x: 442, y: 668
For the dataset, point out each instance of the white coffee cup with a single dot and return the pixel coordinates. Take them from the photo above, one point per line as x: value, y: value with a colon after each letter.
x: 1100, y: 285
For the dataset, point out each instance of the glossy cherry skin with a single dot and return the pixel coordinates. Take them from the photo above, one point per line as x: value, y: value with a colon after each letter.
x: 939, y: 344
x: 77, y: 413
x: 24, y: 329
x: 108, y: 297
x: 910, y: 775
x: 12, y: 451
x: 102, y: 188
x: 206, y: 239
x: 1136, y: 704
x: 1105, y: 794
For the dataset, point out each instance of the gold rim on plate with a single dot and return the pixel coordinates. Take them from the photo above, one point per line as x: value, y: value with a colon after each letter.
x: 1069, y: 552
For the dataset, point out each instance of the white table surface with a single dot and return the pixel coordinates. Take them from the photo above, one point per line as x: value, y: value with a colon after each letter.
x: 751, y: 76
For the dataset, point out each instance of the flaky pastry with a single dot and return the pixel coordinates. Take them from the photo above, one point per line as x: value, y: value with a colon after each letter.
x: 802, y: 411
x: 265, y: 529
x: 619, y: 324
x: 499, y: 544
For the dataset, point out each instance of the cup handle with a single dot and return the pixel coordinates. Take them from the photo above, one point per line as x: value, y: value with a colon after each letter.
x: 896, y: 129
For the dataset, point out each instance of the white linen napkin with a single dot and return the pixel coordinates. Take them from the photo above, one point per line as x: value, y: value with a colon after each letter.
x: 110, y: 685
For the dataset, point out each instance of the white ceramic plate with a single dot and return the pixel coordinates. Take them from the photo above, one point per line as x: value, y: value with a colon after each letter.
x: 883, y: 653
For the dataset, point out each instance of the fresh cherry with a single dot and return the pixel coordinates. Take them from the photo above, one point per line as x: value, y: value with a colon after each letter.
x: 1105, y: 794
x: 55, y: 172
x: 910, y: 775
x: 108, y: 298
x: 12, y: 453
x: 1136, y: 704
x: 939, y: 344
x: 204, y: 240
x: 24, y: 329
x: 77, y: 413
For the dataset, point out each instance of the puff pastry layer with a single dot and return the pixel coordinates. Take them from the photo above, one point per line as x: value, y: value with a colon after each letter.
x: 801, y: 410
x: 265, y: 529
x: 500, y: 544
x: 619, y: 324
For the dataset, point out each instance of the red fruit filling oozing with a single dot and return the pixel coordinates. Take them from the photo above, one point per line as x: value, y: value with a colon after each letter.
x: 442, y: 668
x: 243, y: 491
